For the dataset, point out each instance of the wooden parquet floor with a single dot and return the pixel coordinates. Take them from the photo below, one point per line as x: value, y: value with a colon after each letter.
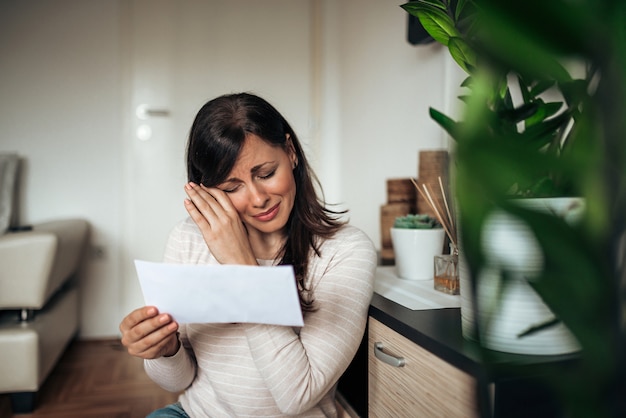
x: 96, y: 379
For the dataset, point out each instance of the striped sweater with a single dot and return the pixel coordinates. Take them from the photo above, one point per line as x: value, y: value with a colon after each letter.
x: 255, y: 370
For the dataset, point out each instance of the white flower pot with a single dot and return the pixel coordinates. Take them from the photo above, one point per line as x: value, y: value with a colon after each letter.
x: 414, y: 251
x: 505, y: 312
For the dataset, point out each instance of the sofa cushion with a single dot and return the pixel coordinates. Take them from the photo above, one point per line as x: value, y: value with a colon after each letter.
x: 36, y: 263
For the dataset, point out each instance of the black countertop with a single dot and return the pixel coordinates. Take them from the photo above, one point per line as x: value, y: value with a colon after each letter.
x: 439, y: 331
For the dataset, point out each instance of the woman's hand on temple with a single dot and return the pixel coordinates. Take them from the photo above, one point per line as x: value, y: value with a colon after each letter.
x: 220, y: 224
x: 148, y: 334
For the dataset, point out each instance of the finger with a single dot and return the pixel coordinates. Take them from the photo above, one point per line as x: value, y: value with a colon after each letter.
x: 220, y: 197
x: 195, y: 214
x: 137, y: 316
x: 203, y: 201
x: 164, y: 347
x: 149, y: 337
x: 155, y: 344
x: 141, y: 323
x: 149, y: 326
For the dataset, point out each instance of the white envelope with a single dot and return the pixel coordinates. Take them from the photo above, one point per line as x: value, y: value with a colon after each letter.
x: 201, y: 293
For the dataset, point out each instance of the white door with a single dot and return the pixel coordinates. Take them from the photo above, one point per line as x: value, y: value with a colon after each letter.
x: 180, y: 54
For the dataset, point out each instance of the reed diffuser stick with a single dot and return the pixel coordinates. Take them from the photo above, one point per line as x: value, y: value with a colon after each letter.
x: 446, y: 223
x: 445, y: 201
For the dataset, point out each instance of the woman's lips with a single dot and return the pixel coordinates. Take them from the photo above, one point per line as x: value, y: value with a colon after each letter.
x: 269, y: 215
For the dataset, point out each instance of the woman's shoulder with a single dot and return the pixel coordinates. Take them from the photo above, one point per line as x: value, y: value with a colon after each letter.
x: 348, y: 256
x: 186, y: 244
x: 186, y: 224
x: 185, y: 230
x: 185, y: 227
x: 349, y: 232
x: 349, y: 238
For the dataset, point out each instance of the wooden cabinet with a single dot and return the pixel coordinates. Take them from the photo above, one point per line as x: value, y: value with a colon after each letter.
x: 423, y: 385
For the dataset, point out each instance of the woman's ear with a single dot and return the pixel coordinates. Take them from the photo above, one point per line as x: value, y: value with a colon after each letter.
x: 291, y: 152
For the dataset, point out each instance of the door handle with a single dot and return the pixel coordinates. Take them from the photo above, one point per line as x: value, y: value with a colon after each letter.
x: 387, y: 358
x: 144, y: 112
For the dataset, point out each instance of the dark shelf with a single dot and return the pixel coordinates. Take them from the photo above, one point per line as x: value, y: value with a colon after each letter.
x: 439, y: 331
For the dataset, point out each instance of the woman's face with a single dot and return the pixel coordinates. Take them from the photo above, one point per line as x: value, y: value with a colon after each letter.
x: 261, y: 185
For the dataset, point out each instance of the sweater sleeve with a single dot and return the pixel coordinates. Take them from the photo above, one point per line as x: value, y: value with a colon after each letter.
x: 299, y: 369
x: 174, y: 373
x: 177, y: 372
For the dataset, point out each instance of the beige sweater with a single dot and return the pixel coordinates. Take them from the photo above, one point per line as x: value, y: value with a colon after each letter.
x: 253, y: 370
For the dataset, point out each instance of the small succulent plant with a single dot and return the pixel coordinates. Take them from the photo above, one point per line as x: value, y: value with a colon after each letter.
x: 419, y: 221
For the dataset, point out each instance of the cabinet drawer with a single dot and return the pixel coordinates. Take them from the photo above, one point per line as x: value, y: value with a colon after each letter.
x: 425, y: 386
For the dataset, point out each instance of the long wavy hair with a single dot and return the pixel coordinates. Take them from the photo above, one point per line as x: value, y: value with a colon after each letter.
x: 215, y: 141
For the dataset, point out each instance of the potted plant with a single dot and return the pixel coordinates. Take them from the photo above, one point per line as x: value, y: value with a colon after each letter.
x: 533, y: 146
x: 538, y: 125
x: 416, y: 239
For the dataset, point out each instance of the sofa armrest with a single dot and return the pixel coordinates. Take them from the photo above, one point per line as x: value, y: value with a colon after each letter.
x: 34, y: 264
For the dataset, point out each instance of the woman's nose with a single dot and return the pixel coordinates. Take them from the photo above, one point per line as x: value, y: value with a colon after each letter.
x: 258, y: 196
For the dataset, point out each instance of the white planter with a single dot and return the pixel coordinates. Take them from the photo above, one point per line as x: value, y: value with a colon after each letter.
x: 414, y: 251
x: 507, y: 312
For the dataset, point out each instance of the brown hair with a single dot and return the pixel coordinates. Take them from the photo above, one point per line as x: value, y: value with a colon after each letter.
x: 215, y: 141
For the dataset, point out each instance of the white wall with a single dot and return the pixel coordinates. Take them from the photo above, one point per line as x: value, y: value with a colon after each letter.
x: 60, y: 100
x: 386, y: 87
x: 65, y: 75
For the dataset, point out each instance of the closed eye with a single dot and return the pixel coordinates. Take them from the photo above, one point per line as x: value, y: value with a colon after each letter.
x: 229, y: 188
x: 267, y: 176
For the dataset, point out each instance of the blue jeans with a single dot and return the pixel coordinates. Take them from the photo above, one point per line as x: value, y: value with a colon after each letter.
x: 171, y: 411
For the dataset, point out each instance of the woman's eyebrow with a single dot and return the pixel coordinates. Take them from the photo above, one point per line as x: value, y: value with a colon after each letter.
x: 258, y: 167
x: 253, y: 170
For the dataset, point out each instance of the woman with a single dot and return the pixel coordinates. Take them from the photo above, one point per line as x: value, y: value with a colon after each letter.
x: 251, y: 200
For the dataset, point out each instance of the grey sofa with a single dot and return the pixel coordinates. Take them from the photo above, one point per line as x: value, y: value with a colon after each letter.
x: 38, y: 298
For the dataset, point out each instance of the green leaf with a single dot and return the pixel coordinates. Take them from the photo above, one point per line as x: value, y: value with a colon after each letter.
x: 546, y: 127
x: 573, y: 26
x: 447, y: 123
x: 541, y: 87
x: 437, y: 3
x: 520, y: 113
x: 412, y: 7
x: 460, y: 6
x: 539, y: 327
x: 467, y: 82
x: 524, y: 89
x: 544, y: 111
x: 464, y: 98
x: 434, y: 20
x: 462, y: 53
x: 574, y: 91
x: 505, y: 43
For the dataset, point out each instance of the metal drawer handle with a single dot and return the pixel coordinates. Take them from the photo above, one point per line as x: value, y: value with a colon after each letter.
x: 391, y: 360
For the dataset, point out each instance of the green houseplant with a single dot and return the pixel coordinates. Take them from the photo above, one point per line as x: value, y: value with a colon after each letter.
x: 542, y: 118
x: 416, y: 221
x: 533, y: 146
